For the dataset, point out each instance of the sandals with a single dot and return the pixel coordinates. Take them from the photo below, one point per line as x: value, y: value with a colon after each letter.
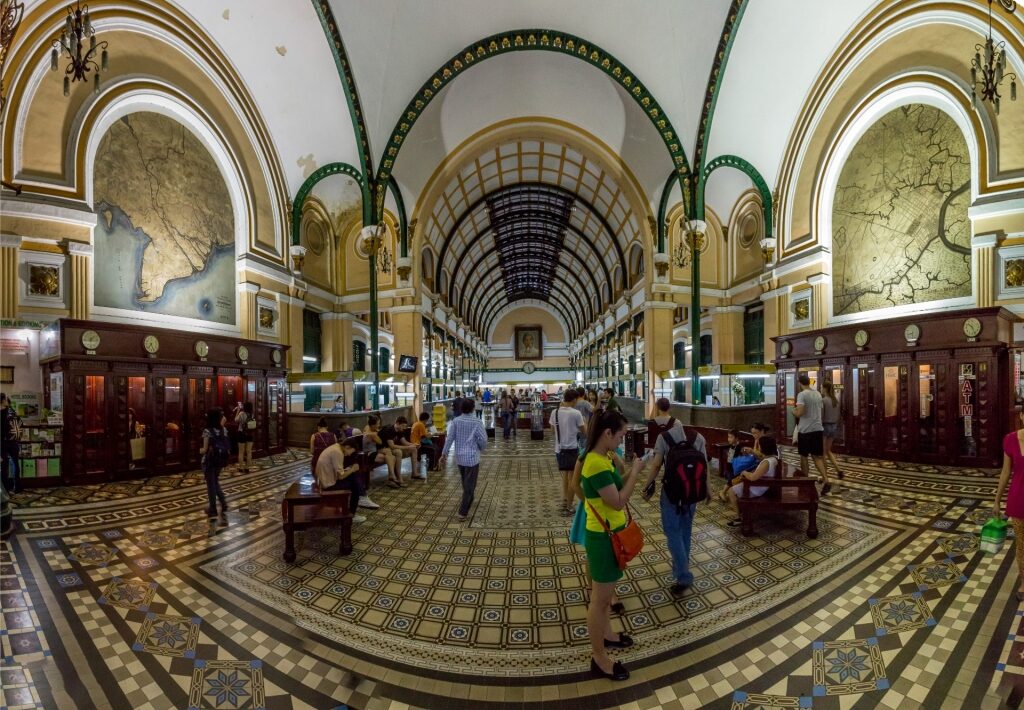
x: 618, y: 608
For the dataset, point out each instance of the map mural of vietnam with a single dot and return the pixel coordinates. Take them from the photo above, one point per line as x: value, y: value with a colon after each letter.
x: 165, y: 235
x: 900, y: 232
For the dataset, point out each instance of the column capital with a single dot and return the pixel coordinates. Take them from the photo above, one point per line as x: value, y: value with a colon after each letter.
x: 80, y: 249
x: 10, y: 241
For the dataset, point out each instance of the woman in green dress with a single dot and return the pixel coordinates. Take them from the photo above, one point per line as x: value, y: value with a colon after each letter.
x: 605, y: 494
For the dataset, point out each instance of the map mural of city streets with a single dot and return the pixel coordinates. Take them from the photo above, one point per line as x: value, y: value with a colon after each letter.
x: 900, y: 232
x: 165, y: 237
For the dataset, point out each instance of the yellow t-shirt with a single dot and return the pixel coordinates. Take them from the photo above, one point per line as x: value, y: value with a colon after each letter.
x: 598, y: 472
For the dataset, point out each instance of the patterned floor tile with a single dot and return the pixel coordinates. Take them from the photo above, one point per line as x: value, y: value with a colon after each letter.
x: 844, y: 667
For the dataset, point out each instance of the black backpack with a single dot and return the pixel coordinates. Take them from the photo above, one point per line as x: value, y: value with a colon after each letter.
x: 686, y: 471
x: 219, y: 450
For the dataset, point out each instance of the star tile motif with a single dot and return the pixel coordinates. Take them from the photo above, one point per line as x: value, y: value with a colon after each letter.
x: 155, y: 540
x: 168, y: 635
x: 845, y: 667
x: 218, y: 685
x: 902, y: 613
x: 89, y: 554
x: 129, y: 594
x: 959, y: 545
x: 936, y: 574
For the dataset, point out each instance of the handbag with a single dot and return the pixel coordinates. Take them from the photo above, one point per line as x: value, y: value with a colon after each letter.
x: 626, y: 543
x: 138, y: 449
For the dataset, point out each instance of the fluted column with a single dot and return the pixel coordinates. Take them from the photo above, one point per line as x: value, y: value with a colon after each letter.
x: 984, y: 247
x: 248, y: 312
x: 9, y: 245
x: 819, y: 300
x: 79, y: 286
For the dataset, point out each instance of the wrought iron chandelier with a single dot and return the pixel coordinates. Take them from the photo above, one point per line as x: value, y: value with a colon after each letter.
x: 989, y: 64
x: 77, y: 33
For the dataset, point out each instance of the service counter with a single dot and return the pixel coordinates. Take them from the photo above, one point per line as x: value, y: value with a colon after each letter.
x: 742, y: 417
x: 301, y: 425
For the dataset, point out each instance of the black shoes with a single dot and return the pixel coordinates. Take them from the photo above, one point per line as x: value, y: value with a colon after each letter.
x: 623, y: 642
x: 677, y: 589
x: 619, y: 671
x: 618, y: 608
x: 825, y: 489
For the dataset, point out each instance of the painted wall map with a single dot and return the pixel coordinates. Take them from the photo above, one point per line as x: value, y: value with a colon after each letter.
x: 900, y: 232
x: 165, y: 238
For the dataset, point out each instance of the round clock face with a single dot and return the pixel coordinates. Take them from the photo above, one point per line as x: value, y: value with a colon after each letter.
x: 90, y: 340
x: 275, y: 355
x: 786, y: 348
x: 819, y: 343
x: 243, y: 353
x: 151, y: 344
x: 202, y: 349
x: 972, y: 327
x: 861, y: 338
x: 912, y: 333
x: 529, y: 368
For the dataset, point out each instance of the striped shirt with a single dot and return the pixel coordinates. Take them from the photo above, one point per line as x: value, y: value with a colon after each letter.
x: 466, y: 433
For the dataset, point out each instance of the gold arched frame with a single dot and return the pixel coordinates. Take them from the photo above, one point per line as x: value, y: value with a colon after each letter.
x: 830, y: 105
x: 31, y: 50
x: 745, y: 262
x: 715, y: 238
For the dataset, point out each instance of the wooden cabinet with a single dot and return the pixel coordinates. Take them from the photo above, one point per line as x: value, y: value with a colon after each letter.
x: 129, y: 413
x: 943, y: 399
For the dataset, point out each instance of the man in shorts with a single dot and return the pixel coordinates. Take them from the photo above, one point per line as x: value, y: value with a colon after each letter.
x: 811, y: 434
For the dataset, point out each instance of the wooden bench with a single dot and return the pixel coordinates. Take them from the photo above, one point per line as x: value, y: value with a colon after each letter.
x: 306, y: 506
x: 797, y: 492
x: 722, y: 453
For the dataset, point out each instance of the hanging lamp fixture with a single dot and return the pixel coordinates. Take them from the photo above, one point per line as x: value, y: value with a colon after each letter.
x: 988, y: 66
x: 77, y: 40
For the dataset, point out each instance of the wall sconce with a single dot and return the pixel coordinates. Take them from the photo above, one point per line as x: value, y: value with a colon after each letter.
x: 298, y: 253
x: 693, y: 236
x: 768, y: 249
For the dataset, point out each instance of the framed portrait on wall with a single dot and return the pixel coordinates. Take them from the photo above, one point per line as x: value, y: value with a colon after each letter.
x: 529, y: 345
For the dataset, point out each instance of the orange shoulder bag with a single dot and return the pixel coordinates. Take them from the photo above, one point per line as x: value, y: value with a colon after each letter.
x: 626, y: 543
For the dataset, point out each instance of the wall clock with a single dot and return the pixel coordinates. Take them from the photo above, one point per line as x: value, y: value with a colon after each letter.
x: 972, y: 327
x: 786, y: 348
x: 202, y: 349
x: 912, y: 333
x: 529, y: 368
x: 819, y: 343
x: 90, y: 340
x: 275, y: 355
x: 861, y: 338
x: 151, y: 344
x: 243, y: 353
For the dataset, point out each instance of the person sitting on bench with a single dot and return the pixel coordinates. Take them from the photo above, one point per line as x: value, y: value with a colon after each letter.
x: 378, y: 451
x: 768, y: 468
x: 420, y: 435
x: 334, y: 472
x: 403, y: 448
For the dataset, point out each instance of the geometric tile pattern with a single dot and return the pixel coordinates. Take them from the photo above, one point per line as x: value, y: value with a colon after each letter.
x: 893, y: 604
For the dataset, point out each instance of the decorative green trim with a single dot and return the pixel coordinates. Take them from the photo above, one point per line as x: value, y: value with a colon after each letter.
x: 348, y: 83
x: 732, y: 21
x: 403, y: 217
x: 525, y: 40
x: 310, y: 182
x: 734, y: 161
x: 519, y: 369
x: 666, y: 192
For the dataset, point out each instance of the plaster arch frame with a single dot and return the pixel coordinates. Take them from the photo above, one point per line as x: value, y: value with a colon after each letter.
x: 890, y: 96
x: 885, y: 22
x: 28, y: 64
x: 536, y: 128
x: 526, y: 302
x: 200, y: 125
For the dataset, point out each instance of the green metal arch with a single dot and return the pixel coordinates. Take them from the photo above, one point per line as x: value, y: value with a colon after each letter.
x: 310, y: 182
x: 348, y: 83
x: 734, y: 161
x: 403, y: 218
x: 527, y: 40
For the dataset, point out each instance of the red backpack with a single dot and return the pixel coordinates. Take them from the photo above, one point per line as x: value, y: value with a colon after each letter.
x: 686, y: 471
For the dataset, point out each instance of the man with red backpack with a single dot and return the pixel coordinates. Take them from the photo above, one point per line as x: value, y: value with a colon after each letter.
x: 684, y: 455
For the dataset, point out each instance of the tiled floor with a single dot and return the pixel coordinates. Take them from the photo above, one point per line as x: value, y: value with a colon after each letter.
x: 126, y: 597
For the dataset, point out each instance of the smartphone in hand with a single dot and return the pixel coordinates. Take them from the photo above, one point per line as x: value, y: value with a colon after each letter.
x: 649, y: 489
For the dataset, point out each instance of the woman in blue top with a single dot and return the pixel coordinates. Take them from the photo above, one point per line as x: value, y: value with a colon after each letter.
x: 605, y: 496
